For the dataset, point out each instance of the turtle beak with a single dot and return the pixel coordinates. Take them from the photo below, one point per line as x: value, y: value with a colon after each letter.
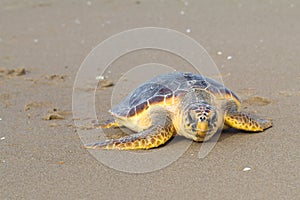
x: 202, y: 128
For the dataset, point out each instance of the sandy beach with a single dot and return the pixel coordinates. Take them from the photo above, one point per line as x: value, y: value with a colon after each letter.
x: 256, y: 46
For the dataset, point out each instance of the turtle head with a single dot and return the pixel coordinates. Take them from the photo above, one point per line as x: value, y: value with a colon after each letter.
x: 201, y: 121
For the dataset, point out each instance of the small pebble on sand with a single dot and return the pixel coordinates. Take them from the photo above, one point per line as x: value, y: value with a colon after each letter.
x: 246, y: 169
x: 188, y: 30
x: 229, y: 57
x: 53, y: 116
x: 36, y: 40
x: 182, y: 12
x: 219, y: 53
x: 3, y: 138
x: 105, y: 83
x: 100, y: 78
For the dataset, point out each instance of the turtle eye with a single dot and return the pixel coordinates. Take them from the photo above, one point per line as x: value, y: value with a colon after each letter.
x: 191, y: 117
x: 213, y: 120
x: 214, y: 117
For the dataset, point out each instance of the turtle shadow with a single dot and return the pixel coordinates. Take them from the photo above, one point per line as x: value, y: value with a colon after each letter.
x: 226, y: 134
x: 116, y: 133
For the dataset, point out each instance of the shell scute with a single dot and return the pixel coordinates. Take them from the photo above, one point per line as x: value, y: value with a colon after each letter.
x: 165, y: 91
x: 142, y: 93
x: 132, y: 112
x: 141, y: 107
x: 156, y: 99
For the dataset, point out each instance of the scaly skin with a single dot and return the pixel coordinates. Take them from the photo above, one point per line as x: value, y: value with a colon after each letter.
x: 147, y: 139
x: 247, y: 122
x: 112, y: 124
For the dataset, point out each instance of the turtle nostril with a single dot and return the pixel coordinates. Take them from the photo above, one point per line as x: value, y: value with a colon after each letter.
x: 202, y: 118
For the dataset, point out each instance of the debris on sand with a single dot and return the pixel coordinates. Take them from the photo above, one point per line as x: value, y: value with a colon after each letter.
x: 105, y: 83
x: 12, y: 72
x: 100, y: 77
x: 246, y: 169
x: 60, y: 162
x: 54, y: 114
x: 55, y: 77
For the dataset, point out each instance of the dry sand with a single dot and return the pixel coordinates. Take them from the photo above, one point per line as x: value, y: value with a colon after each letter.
x: 42, y: 159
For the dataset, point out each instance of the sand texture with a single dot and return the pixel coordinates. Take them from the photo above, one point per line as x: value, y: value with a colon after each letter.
x: 255, y: 44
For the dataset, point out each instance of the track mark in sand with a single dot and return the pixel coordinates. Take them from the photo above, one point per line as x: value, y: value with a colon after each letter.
x: 48, y: 79
x: 5, y: 99
x: 35, y: 104
x: 257, y: 101
x: 289, y: 93
x: 6, y: 72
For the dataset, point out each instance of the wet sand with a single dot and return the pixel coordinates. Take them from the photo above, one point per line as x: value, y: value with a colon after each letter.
x: 40, y: 151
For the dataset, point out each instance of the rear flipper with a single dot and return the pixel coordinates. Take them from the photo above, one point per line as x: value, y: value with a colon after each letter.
x: 246, y: 122
x: 150, y: 138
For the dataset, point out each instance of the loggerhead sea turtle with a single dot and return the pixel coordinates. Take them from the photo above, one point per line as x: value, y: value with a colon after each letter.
x: 186, y: 104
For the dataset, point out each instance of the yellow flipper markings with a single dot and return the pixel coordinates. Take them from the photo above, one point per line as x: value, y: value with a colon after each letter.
x: 247, y: 122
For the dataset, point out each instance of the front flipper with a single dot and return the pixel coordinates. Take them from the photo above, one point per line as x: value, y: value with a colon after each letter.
x: 109, y: 124
x: 147, y: 139
x: 247, y: 122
